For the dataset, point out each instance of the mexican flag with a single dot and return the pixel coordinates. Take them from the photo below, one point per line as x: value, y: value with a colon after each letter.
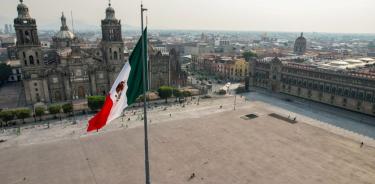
x: 125, y: 90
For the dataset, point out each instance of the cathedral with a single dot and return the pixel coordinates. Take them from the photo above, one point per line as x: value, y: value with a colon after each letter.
x: 300, y: 45
x: 66, y: 71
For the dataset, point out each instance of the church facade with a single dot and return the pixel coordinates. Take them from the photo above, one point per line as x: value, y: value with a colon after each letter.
x: 66, y: 71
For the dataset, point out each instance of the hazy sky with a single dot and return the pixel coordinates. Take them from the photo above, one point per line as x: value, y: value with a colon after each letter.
x: 253, y: 15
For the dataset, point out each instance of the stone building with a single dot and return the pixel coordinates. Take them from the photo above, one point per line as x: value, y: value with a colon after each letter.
x: 165, y: 68
x: 66, y: 71
x: 349, y: 89
x: 300, y: 45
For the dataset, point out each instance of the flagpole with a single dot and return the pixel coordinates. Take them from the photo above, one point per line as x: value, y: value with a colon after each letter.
x: 147, y: 166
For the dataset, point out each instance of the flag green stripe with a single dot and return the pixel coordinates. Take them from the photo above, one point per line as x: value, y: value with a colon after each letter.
x: 135, y: 82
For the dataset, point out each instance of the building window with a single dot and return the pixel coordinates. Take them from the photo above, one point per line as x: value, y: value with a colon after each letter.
x: 24, y: 55
x: 31, y: 59
x: 359, y: 104
x: 36, y: 89
x: 35, y: 84
x: 78, y: 72
x: 101, y: 76
x: 55, y: 80
x: 25, y: 62
x: 115, y: 55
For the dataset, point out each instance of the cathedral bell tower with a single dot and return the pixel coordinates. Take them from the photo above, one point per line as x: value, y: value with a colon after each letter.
x: 28, y: 44
x: 112, y: 44
x: 29, y: 52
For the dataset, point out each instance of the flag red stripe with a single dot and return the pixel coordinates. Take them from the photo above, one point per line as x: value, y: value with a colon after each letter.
x: 100, y: 119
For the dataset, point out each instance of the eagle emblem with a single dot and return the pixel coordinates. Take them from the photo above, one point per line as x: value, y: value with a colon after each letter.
x: 119, y: 89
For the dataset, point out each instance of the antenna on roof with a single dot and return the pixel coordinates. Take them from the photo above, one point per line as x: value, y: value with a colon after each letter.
x: 71, y: 14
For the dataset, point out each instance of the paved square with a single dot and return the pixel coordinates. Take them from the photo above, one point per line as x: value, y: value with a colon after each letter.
x: 218, y: 147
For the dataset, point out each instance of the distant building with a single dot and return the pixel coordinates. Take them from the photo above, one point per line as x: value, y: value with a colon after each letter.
x: 228, y: 68
x: 8, y: 41
x: 165, y: 68
x: 66, y: 71
x: 300, y: 45
x: 332, y: 84
x: 16, y: 71
x: 371, y: 49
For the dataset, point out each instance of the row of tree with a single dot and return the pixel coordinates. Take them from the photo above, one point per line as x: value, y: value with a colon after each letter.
x: 166, y: 92
x: 95, y: 103
x: 23, y: 113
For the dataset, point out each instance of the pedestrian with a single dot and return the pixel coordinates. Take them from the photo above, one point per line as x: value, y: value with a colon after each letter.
x: 128, y: 119
x: 294, y: 118
x: 361, y: 144
x: 170, y: 115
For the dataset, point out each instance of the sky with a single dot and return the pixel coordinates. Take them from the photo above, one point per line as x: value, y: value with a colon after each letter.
x: 339, y: 16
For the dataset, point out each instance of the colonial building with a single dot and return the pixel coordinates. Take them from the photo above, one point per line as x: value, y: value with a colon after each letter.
x: 165, y: 68
x: 227, y: 68
x: 66, y: 71
x: 352, y: 89
x: 300, y: 45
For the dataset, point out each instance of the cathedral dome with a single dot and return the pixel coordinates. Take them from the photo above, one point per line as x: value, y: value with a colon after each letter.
x: 64, y: 35
x: 64, y: 32
x: 300, y: 45
x: 301, y: 39
x: 23, y: 10
x: 110, y: 12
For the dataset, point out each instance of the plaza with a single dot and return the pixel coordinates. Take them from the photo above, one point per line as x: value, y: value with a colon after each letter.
x: 193, y: 144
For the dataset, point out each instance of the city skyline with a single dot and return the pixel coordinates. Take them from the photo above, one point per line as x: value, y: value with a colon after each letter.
x: 264, y: 15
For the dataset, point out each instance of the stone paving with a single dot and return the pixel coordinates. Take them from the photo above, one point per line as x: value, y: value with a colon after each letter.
x: 196, y: 144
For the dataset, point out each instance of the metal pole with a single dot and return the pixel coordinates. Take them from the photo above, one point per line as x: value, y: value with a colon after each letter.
x: 147, y: 167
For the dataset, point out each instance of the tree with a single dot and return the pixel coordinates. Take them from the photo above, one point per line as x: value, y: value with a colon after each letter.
x: 67, y: 108
x: 186, y: 93
x: 248, y: 55
x: 40, y: 111
x: 165, y: 92
x: 54, y: 109
x: 95, y: 102
x: 177, y: 93
x: 23, y: 114
x: 5, y: 72
x: 7, y: 115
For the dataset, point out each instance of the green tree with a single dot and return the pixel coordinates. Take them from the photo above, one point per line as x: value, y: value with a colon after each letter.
x: 186, y: 93
x: 95, y: 102
x: 54, y: 109
x: 7, y: 115
x: 67, y: 108
x: 5, y: 72
x: 23, y: 114
x: 178, y: 94
x: 165, y: 92
x: 248, y: 55
x: 40, y: 111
